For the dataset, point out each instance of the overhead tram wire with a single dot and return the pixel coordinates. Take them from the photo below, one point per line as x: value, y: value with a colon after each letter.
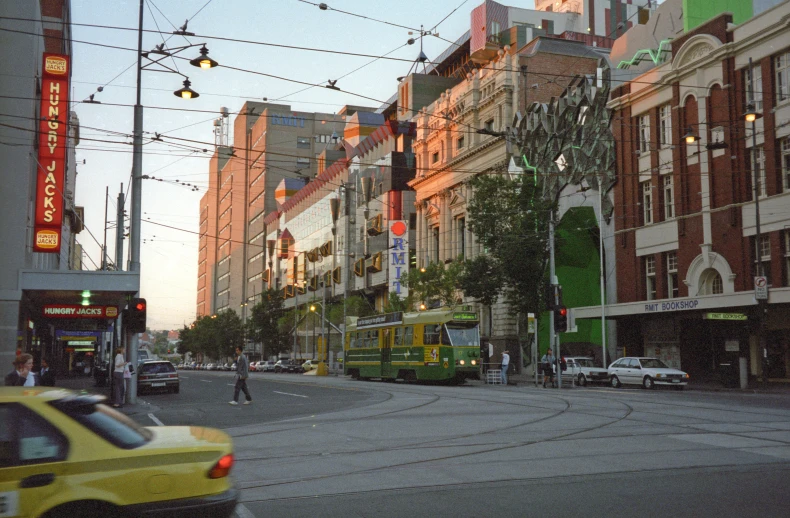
x: 325, y: 7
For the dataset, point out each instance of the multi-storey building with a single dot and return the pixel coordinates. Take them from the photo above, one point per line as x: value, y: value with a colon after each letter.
x: 702, y: 195
x: 271, y: 143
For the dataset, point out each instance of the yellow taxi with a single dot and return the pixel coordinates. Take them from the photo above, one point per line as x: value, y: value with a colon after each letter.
x: 65, y: 454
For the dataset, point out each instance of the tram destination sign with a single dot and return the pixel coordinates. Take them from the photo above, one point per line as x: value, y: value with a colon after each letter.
x: 725, y: 316
x: 465, y: 315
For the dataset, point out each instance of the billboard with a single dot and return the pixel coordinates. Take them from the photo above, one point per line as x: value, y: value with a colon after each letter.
x: 53, y: 133
x: 399, y: 256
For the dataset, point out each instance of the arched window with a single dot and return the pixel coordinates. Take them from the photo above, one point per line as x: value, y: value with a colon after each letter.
x: 711, y: 283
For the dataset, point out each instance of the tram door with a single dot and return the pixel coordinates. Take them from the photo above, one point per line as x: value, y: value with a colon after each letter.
x: 386, y: 352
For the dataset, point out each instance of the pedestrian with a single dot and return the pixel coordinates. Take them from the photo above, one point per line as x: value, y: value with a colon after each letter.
x: 505, y: 365
x: 242, y: 372
x: 548, y: 367
x: 118, y: 381
x: 47, y: 374
x: 22, y: 375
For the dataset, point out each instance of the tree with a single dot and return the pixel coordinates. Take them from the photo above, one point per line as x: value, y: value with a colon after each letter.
x: 395, y: 303
x: 215, y: 336
x: 265, y: 324
x: 434, y: 285
x: 482, y: 279
x: 510, y: 218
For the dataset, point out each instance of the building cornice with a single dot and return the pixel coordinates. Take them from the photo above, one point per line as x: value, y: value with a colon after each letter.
x: 461, y: 158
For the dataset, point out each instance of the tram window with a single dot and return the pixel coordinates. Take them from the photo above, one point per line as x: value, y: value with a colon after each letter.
x: 431, y: 334
x: 445, y: 336
x: 408, y: 335
x: 386, y: 338
x: 398, y: 336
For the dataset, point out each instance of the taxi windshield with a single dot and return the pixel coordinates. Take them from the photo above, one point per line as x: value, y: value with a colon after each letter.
x: 105, y: 422
x: 461, y: 335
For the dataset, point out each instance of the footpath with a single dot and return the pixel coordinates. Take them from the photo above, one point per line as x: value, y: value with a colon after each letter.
x: 88, y: 384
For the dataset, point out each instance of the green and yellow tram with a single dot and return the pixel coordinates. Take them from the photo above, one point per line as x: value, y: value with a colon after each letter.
x: 435, y: 345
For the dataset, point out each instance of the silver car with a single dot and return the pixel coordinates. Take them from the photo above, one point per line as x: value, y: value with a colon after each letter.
x: 647, y: 372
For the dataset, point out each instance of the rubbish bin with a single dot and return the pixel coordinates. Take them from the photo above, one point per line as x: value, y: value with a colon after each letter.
x: 728, y: 373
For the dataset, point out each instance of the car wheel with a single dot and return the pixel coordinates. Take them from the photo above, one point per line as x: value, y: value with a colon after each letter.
x: 582, y: 380
x: 648, y: 383
x: 176, y: 389
x: 616, y: 382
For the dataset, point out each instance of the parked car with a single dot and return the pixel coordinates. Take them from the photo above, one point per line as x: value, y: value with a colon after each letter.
x: 268, y: 366
x: 310, y: 365
x: 158, y: 374
x: 253, y: 366
x: 582, y: 370
x: 290, y: 366
x: 68, y: 454
x: 647, y: 372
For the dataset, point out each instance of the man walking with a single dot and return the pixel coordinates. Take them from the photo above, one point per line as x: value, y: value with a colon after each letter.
x: 548, y: 367
x: 505, y: 365
x: 242, y: 372
x: 46, y: 374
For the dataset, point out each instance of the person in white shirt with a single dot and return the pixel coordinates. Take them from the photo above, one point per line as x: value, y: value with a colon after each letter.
x: 505, y: 365
x: 119, y: 383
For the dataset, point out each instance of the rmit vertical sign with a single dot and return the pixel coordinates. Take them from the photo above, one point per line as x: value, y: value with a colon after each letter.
x: 51, y: 153
x: 399, y: 255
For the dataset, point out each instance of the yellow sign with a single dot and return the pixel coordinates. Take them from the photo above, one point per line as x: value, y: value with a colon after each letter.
x: 446, y: 365
x: 431, y: 354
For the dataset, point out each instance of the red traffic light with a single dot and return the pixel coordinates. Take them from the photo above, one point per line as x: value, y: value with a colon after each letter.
x: 140, y: 306
x: 564, y: 312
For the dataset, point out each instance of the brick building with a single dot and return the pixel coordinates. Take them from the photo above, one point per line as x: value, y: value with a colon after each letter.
x: 686, y: 214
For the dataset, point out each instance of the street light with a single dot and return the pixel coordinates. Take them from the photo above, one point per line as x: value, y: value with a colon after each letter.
x: 137, y: 161
x: 690, y: 137
x: 203, y: 61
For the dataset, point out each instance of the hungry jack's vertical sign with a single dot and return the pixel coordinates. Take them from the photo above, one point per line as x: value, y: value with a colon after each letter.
x: 51, y: 153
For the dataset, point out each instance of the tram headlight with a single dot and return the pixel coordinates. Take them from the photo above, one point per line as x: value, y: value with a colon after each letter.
x: 462, y: 362
x: 474, y: 362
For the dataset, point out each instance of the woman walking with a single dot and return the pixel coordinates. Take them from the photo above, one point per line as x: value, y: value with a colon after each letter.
x: 119, y: 383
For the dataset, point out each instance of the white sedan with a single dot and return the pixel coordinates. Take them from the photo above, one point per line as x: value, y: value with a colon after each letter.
x: 647, y: 372
x: 582, y: 370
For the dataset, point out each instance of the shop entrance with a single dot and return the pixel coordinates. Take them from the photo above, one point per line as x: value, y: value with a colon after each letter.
x: 708, y: 344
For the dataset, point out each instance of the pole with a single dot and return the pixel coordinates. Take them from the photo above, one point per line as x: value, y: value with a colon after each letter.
x: 104, y: 254
x: 554, y: 341
x: 313, y: 357
x: 603, y: 283
x: 137, y: 185
x: 761, y: 304
x: 119, y: 226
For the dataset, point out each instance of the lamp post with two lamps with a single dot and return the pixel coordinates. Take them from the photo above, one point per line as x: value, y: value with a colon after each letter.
x: 203, y: 62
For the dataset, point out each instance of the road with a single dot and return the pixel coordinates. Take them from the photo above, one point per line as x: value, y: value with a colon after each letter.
x: 335, y: 447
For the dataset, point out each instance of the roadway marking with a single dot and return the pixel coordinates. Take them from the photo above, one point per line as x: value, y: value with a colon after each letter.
x: 242, y: 512
x: 157, y: 421
x: 206, y: 381
x: 288, y: 394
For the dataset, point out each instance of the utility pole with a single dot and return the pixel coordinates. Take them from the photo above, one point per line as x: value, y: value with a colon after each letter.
x: 119, y: 228
x: 104, y: 254
x: 554, y: 338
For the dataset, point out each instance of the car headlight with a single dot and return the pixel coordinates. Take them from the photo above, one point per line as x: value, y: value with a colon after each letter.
x: 659, y: 375
x: 463, y: 362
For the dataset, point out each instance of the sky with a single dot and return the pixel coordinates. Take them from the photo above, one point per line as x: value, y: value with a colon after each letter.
x: 106, y: 57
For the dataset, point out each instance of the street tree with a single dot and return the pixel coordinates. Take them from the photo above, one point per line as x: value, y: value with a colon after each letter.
x: 510, y: 218
x: 482, y: 279
x: 265, y: 326
x: 435, y: 285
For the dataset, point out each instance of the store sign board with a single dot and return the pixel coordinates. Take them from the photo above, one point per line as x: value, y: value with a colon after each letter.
x: 399, y: 256
x: 50, y: 179
x: 725, y: 316
x: 77, y: 311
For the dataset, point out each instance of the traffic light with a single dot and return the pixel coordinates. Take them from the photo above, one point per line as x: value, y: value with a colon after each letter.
x: 137, y: 316
x: 560, y: 319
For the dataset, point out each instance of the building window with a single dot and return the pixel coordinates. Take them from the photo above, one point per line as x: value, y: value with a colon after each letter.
x: 436, y: 244
x: 754, y: 91
x: 785, y: 149
x: 647, y: 202
x: 669, y: 200
x: 459, y: 143
x: 461, y: 239
x: 435, y: 157
x: 303, y: 142
x: 782, y: 67
x: 758, y: 160
x: 489, y: 125
x: 644, y: 133
x: 765, y: 256
x: 665, y: 116
x: 787, y: 257
x: 710, y: 283
x: 673, y: 287
x: 650, y: 277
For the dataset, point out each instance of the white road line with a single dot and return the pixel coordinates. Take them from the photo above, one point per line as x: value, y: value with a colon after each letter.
x: 206, y: 381
x: 157, y: 421
x: 287, y: 394
x: 242, y: 512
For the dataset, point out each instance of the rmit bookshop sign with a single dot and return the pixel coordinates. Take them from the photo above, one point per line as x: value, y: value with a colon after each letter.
x: 399, y: 256
x: 77, y: 311
x: 51, y: 153
x: 672, y: 305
